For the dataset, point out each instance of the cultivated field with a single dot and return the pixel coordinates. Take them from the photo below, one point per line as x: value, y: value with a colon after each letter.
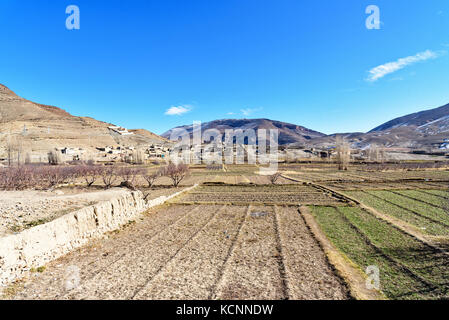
x: 261, y: 194
x: 199, y: 252
x: 237, y: 236
x: 409, y: 268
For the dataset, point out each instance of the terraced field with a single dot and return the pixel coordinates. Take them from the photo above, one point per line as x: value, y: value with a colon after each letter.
x: 372, y: 185
x: 359, y: 176
x: 421, y: 209
x: 293, y: 194
x: 409, y: 269
x: 198, y: 252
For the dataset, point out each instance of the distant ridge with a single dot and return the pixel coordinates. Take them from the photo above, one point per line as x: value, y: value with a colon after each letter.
x: 424, y: 129
x: 416, y: 119
x: 288, y: 133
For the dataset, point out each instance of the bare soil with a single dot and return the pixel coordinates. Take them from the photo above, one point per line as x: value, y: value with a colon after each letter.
x: 196, y: 252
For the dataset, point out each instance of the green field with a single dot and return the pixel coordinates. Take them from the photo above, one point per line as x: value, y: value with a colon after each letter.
x: 409, y: 269
x: 428, y: 217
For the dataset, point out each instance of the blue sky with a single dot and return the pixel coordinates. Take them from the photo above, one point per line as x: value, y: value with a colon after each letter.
x: 140, y: 63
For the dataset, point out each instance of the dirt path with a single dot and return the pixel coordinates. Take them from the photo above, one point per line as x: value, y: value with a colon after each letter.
x: 196, y: 252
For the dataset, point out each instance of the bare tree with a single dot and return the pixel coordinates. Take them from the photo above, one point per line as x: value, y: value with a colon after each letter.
x: 176, y: 172
x: 90, y: 173
x: 151, y: 177
x: 343, y: 153
x: 376, y: 153
x: 129, y: 175
x: 138, y: 157
x: 54, y: 157
x: 274, y: 177
x: 27, y: 158
x: 109, y: 176
x: 14, y: 150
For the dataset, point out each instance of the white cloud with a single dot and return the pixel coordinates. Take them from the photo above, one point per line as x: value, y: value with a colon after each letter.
x: 177, y: 111
x: 249, y: 111
x: 390, y: 67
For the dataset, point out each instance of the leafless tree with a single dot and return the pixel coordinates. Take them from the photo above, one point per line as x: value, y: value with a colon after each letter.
x: 376, y: 153
x: 90, y: 173
x: 176, y: 172
x: 54, y: 157
x: 109, y: 176
x: 274, y: 177
x: 14, y: 149
x: 151, y: 177
x: 343, y: 153
x: 138, y: 157
x: 129, y: 175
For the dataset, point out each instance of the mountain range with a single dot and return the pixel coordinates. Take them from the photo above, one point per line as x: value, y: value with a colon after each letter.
x: 45, y: 127
x: 288, y: 133
x: 426, y: 129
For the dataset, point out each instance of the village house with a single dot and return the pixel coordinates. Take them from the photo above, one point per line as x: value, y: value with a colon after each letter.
x: 120, y: 130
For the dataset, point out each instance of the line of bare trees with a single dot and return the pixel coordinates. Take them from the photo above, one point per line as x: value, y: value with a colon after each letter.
x: 48, y: 176
x: 343, y: 153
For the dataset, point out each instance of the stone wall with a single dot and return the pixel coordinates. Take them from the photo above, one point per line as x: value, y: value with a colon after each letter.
x: 41, y: 244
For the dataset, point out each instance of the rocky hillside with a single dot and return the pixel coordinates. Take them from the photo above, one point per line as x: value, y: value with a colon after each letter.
x: 41, y: 127
x: 427, y: 129
x: 421, y: 121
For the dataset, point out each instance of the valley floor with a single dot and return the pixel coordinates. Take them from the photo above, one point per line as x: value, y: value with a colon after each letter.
x: 313, y: 235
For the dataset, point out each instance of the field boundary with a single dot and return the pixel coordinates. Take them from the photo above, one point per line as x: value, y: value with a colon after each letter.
x: 281, y: 257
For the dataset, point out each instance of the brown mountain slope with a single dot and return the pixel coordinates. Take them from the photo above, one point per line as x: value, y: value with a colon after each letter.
x: 428, y: 129
x: 41, y: 127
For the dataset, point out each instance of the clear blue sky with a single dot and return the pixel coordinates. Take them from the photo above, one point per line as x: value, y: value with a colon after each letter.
x: 304, y: 62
